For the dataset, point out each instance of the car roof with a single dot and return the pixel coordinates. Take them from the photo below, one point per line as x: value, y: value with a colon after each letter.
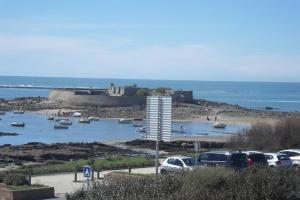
x: 179, y: 157
x: 291, y: 150
x: 275, y: 154
x: 218, y: 152
x: 296, y: 150
x: 252, y: 152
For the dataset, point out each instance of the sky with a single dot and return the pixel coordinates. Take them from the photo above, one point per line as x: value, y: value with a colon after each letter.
x: 229, y: 40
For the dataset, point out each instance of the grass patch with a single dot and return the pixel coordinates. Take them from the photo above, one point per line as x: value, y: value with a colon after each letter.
x: 133, y: 174
x: 115, y: 162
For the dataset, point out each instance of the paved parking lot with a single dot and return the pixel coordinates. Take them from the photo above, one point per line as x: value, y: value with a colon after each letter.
x: 64, y: 183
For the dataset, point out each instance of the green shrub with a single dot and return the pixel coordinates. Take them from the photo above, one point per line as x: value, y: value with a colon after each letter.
x: 203, y: 184
x: 142, y: 92
x: 15, y: 179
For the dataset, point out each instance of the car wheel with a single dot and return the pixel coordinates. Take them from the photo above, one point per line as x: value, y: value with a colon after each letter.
x: 163, y: 171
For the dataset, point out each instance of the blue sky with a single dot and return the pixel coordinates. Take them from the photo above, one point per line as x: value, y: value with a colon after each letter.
x: 248, y: 40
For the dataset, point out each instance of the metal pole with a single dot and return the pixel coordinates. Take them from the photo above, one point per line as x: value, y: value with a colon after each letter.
x: 158, y: 134
x: 75, y: 174
x: 88, y: 183
x: 157, y: 155
x: 196, y: 152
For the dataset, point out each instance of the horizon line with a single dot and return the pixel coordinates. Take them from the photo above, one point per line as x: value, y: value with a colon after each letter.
x: 150, y: 79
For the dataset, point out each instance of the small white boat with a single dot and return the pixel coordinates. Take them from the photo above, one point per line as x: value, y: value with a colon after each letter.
x: 219, y: 125
x: 18, y: 124
x: 60, y: 126
x: 2, y: 113
x: 94, y: 118
x: 137, y: 125
x: 142, y: 129
x: 65, y: 122
x: 76, y: 114
x: 61, y: 119
x: 124, y: 121
x: 50, y: 118
x: 84, y: 121
x: 19, y: 112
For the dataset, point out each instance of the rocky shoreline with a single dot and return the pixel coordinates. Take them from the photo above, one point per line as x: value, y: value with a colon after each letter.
x: 38, y: 152
x: 199, y: 110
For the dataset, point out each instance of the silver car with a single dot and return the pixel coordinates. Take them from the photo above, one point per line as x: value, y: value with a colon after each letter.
x: 294, y: 155
x: 278, y: 160
x: 177, y: 164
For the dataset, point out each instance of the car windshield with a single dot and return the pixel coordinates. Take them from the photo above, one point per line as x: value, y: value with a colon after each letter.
x: 283, y: 157
x: 189, y: 161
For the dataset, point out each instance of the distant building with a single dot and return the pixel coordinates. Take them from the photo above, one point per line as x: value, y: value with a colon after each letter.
x: 114, y: 90
x: 181, y: 96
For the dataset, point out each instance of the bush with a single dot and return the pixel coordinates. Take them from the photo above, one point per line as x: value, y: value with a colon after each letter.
x: 130, y: 187
x: 203, y: 184
x: 283, y: 135
x: 142, y: 92
x: 15, y: 179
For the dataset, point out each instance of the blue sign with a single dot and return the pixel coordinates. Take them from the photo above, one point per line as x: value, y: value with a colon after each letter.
x: 87, y: 171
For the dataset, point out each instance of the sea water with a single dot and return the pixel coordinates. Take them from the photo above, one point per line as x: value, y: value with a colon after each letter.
x: 39, y: 129
x: 258, y: 95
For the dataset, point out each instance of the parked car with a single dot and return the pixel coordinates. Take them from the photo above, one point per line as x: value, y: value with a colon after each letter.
x: 214, y: 158
x: 177, y: 164
x: 236, y: 160
x: 256, y: 158
x: 278, y: 160
x: 294, y: 155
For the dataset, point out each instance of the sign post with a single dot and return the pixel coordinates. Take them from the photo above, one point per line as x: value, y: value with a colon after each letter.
x: 159, y: 110
x: 87, y: 171
x: 197, y: 146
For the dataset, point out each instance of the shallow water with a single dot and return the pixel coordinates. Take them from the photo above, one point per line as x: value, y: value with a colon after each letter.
x: 39, y: 129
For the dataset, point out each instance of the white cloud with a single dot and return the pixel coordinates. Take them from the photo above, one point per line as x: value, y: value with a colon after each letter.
x: 61, y: 56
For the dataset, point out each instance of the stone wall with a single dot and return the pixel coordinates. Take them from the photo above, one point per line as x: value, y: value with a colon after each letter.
x: 30, y: 194
x: 69, y: 97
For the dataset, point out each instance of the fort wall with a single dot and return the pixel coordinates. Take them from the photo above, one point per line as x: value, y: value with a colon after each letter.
x: 68, y: 96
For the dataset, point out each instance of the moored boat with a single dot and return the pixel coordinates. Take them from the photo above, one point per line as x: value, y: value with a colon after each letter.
x: 142, y: 129
x: 18, y: 124
x: 61, y: 119
x: 50, y: 118
x: 76, y: 114
x: 219, y: 125
x: 137, y: 125
x: 94, y: 118
x: 65, y: 122
x: 84, y: 121
x: 19, y: 112
x: 60, y: 126
x: 124, y: 121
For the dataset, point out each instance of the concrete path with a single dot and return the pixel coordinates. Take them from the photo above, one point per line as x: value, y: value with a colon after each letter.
x: 63, y: 183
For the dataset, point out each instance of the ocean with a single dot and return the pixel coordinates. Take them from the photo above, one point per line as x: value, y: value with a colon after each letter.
x: 258, y: 95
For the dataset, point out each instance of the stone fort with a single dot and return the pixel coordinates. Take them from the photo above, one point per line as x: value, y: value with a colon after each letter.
x: 115, y: 95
